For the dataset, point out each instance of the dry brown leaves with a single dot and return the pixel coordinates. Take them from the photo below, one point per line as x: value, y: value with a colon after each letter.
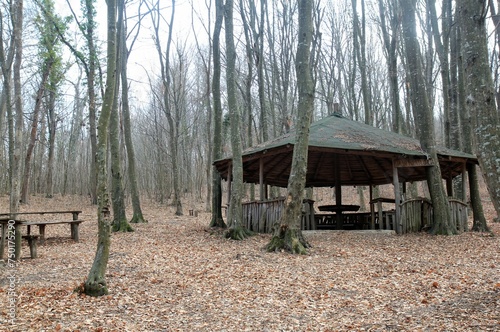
x: 173, y: 274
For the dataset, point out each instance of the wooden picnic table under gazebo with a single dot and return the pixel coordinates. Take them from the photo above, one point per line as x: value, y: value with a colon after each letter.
x: 343, y: 152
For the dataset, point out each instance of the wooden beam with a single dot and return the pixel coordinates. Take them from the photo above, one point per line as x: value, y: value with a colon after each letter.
x: 261, y: 179
x: 411, y: 163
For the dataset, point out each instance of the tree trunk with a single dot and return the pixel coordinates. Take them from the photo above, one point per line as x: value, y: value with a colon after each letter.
x: 425, y: 122
x: 127, y: 129
x: 479, y: 220
x: 6, y: 61
x: 16, y: 133
x: 95, y: 285
x: 259, y: 43
x: 390, y: 43
x: 217, y: 220
x: 120, y: 222
x: 32, y: 141
x: 76, y: 129
x: 360, y: 52
x: 481, y: 94
x: 442, y: 49
x: 91, y: 75
x: 173, y: 132
x: 236, y: 229
x: 287, y: 233
x: 496, y: 23
x: 52, y: 125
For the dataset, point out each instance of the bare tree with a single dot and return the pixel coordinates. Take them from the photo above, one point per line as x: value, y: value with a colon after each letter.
x: 137, y: 216
x: 481, y: 94
x: 217, y: 220
x: 424, y: 119
x: 389, y: 12
x: 95, y: 285
x: 120, y: 222
x: 51, y: 68
x: 173, y: 124
x: 287, y: 234
x: 236, y: 229
x: 16, y: 122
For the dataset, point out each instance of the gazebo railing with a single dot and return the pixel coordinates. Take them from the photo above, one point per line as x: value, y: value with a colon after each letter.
x: 417, y: 214
x: 260, y: 216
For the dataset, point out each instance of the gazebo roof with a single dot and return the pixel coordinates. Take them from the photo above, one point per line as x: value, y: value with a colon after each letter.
x: 365, y: 154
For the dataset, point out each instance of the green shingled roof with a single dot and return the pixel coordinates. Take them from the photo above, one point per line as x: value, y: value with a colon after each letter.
x: 338, y: 132
x: 364, y: 154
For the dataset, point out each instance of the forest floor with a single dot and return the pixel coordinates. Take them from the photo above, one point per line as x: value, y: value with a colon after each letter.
x: 175, y: 274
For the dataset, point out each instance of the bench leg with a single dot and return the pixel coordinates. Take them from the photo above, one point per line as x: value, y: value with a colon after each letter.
x: 32, y: 244
x: 74, y: 232
x: 41, y: 230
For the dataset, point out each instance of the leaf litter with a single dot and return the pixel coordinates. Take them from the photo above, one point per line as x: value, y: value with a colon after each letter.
x: 176, y: 274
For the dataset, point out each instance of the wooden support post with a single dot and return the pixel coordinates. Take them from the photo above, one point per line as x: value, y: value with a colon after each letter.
x: 380, y: 215
x: 464, y: 195
x: 229, y: 183
x: 338, y: 192
x: 397, y: 197
x: 449, y: 186
x: 261, y: 179
x: 464, y: 183
x: 372, y: 208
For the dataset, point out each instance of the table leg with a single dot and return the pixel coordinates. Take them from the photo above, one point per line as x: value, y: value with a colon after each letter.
x: 74, y: 232
x: 17, y: 244
x: 41, y: 230
x: 2, y: 240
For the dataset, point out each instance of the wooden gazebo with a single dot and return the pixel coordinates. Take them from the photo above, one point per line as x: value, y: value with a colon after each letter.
x: 343, y: 152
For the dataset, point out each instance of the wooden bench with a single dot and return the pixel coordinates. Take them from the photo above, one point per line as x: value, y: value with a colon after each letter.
x: 33, y: 239
x: 41, y: 227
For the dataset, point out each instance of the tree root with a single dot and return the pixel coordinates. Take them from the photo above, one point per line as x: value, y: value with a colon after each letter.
x: 95, y: 288
x: 218, y: 222
x: 290, y: 240
x: 238, y: 233
x: 482, y: 229
x: 121, y: 226
x: 138, y: 219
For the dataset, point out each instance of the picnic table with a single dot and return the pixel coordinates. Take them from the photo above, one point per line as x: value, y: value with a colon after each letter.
x: 338, y: 208
x: 11, y: 227
x: 328, y: 220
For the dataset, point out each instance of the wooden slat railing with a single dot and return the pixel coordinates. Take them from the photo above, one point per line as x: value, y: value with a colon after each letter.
x: 417, y: 214
x: 260, y: 216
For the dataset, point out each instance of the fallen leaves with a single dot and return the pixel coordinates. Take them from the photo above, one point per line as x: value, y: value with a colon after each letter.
x: 173, y: 275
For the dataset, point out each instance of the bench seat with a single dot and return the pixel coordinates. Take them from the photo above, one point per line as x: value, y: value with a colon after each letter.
x: 41, y: 227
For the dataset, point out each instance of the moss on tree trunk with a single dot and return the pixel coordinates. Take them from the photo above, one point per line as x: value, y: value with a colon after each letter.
x: 121, y: 225
x: 290, y: 240
x: 238, y: 233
